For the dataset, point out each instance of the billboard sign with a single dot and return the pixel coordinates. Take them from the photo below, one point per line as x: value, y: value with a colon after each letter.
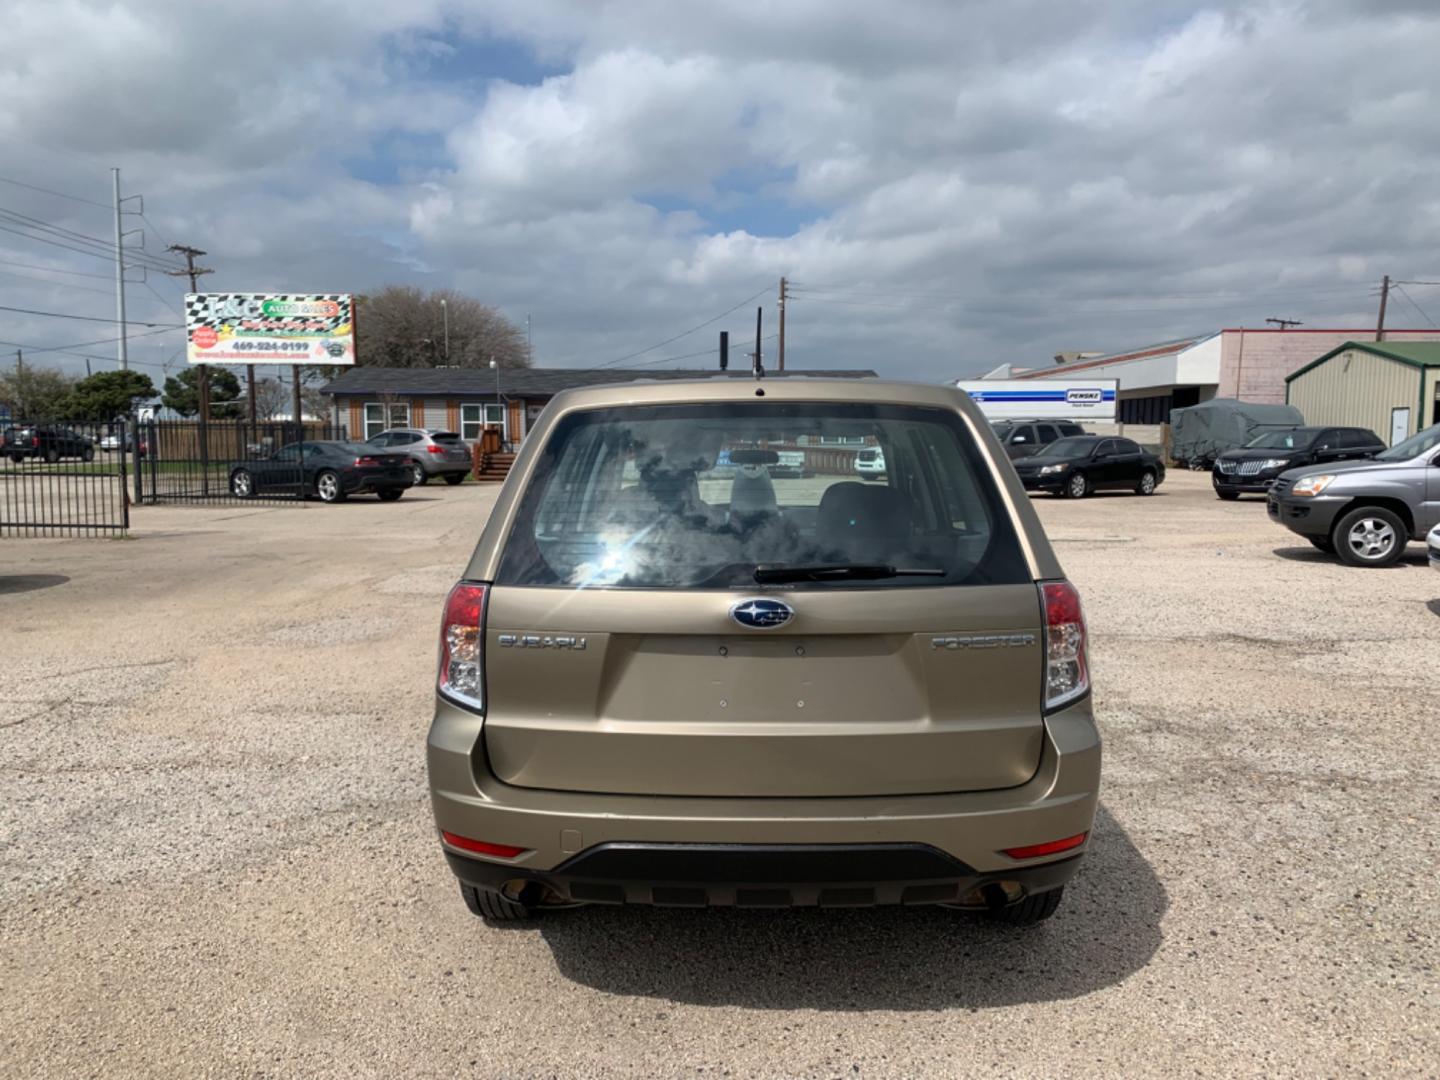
x: 1044, y: 399
x: 269, y: 328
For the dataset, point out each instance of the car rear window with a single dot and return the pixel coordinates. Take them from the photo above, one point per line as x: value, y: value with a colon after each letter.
x: 445, y: 436
x: 683, y: 496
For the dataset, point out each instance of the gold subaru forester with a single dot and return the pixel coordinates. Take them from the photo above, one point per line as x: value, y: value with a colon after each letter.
x: 670, y: 676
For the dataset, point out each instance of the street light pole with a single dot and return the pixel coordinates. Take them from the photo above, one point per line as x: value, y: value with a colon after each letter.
x: 498, y: 404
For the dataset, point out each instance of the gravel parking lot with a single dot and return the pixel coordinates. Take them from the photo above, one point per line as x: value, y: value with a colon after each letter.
x: 216, y: 856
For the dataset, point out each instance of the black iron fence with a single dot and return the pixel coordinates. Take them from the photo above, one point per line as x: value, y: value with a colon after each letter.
x: 64, y: 479
x: 186, y: 461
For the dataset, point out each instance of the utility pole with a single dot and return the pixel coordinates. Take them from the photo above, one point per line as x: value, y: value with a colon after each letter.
x: 193, y: 272
x: 724, y: 349
x: 1285, y: 324
x: 120, y: 351
x: 445, y: 314
x: 529, y: 349
x: 781, y: 360
x: 1384, y: 296
x: 757, y: 361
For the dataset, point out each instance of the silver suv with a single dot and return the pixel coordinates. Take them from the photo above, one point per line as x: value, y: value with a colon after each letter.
x: 429, y: 453
x: 1365, y: 511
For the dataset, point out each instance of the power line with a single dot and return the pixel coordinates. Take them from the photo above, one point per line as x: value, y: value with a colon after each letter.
x: 85, y: 318
x: 84, y: 344
x: 686, y: 333
x: 1423, y: 313
x: 106, y: 247
x: 53, y: 270
x: 107, y: 253
x: 50, y: 191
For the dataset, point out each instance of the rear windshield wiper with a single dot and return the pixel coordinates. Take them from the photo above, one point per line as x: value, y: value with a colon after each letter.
x: 779, y: 575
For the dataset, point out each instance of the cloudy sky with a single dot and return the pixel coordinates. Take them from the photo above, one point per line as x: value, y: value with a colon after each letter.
x: 949, y: 185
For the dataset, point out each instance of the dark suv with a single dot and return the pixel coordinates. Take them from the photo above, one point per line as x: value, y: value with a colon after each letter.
x: 46, y: 443
x: 1022, y: 438
x: 1256, y: 465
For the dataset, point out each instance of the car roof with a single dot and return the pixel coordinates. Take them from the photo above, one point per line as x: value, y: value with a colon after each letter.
x: 678, y: 391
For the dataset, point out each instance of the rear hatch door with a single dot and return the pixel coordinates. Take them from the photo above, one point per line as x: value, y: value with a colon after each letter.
x: 622, y: 651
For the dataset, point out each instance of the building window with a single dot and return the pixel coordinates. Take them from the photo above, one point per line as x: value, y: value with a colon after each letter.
x: 475, y: 418
x: 376, y: 421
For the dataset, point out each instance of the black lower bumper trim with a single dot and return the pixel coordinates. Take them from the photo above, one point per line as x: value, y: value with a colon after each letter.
x: 761, y: 875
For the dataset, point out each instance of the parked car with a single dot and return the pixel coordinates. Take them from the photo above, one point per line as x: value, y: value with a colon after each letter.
x: 428, y: 453
x: 1364, y: 511
x: 1077, y: 465
x: 1432, y: 543
x: 870, y: 463
x: 46, y: 442
x: 1022, y: 438
x: 660, y: 684
x: 110, y: 443
x: 789, y: 463
x: 331, y: 470
x: 1254, y: 467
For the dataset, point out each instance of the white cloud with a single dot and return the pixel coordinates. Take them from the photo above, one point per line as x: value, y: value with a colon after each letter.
x: 953, y: 183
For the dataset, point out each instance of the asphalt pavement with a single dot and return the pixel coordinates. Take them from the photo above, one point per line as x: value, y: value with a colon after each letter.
x: 216, y: 856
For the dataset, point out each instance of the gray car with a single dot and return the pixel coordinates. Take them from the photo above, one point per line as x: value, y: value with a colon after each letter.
x: 1365, y: 511
x: 430, y: 453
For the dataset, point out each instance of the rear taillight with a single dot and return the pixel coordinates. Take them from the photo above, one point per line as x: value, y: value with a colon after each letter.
x: 432, y: 449
x: 1067, y: 670
x: 35, y: 441
x: 366, y: 462
x: 461, y: 648
x: 482, y: 847
x: 1050, y: 847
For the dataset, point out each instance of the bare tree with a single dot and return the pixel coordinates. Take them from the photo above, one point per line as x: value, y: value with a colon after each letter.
x: 401, y: 326
x: 271, y: 399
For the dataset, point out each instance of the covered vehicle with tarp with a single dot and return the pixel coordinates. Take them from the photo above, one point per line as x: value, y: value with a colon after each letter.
x: 1201, y: 433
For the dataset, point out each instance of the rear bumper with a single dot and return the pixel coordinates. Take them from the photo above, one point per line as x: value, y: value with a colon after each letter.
x: 761, y: 875
x: 966, y: 831
x: 362, y: 484
x: 443, y: 468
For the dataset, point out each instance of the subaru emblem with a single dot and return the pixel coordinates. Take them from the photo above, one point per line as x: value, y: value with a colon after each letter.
x: 762, y: 613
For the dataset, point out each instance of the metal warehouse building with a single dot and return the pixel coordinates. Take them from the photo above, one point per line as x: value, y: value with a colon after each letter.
x: 1390, y: 387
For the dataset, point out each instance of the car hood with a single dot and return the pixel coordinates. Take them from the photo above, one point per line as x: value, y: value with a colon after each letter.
x: 1337, y: 467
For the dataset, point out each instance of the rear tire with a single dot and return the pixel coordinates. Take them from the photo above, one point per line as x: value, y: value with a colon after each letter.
x: 388, y: 496
x: 52, y: 456
x: 418, y: 476
x: 242, y: 484
x: 1078, y: 486
x: 1146, y: 486
x: 454, y: 478
x: 491, y: 906
x: 1370, y: 536
x: 88, y: 454
x: 1031, y: 910
x: 1228, y: 496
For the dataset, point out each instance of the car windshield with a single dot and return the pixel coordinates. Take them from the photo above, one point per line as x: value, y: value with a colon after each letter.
x: 1076, y: 446
x: 700, y: 497
x: 1282, y: 440
x: 1413, y: 446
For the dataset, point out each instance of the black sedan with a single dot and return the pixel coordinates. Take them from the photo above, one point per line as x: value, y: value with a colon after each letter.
x: 330, y: 470
x: 1078, y: 465
x: 1257, y: 464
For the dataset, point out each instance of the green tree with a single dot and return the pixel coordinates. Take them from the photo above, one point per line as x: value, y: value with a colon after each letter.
x: 182, y: 393
x: 108, y: 394
x: 36, y: 393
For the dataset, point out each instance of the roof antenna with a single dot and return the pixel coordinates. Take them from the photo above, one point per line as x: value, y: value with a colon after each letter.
x: 758, y: 365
